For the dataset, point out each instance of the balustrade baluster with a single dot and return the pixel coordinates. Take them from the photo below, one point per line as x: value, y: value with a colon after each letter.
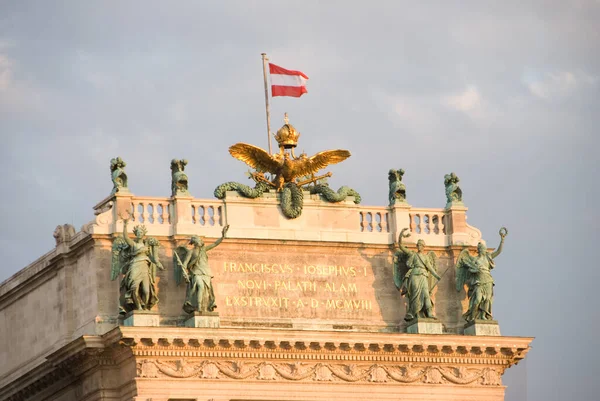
x: 384, y: 223
x: 194, y: 214
x: 202, y: 214
x: 144, y: 213
x: 377, y: 222
x: 220, y: 213
x: 211, y: 215
x: 134, y: 214
x: 165, y: 214
x: 151, y: 213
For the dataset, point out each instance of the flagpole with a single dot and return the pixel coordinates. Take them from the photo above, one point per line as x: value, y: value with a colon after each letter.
x: 267, y: 106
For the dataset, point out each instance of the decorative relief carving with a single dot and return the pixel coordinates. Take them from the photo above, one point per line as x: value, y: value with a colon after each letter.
x: 433, y: 376
x: 320, y: 372
x: 210, y: 371
x: 63, y: 233
x: 378, y: 374
x: 323, y: 373
x: 266, y: 372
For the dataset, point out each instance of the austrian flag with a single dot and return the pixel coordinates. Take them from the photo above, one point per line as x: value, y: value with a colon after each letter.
x: 287, y: 82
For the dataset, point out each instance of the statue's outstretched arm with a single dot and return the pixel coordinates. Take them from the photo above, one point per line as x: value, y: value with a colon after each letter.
x: 125, y: 236
x: 217, y: 242
x: 503, y: 233
x: 400, y: 245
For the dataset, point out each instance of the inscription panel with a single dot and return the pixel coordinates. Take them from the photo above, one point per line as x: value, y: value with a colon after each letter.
x: 302, y: 282
x: 282, y: 285
x: 346, y: 285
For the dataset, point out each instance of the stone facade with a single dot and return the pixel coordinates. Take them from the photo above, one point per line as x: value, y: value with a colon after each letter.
x: 307, y: 310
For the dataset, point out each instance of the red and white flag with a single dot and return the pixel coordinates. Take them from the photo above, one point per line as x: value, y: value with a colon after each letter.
x: 287, y: 82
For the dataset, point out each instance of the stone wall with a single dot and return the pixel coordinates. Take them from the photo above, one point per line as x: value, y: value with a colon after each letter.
x: 329, y: 269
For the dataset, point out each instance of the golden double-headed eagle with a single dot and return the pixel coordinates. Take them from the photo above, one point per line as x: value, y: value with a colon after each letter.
x: 286, y: 167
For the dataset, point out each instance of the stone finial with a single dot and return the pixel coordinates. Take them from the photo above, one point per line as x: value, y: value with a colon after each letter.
x: 179, y: 179
x: 63, y: 233
x: 119, y: 178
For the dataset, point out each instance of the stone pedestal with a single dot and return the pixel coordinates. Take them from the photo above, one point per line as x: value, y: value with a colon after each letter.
x: 204, y: 319
x: 424, y: 326
x: 138, y: 318
x: 482, y: 328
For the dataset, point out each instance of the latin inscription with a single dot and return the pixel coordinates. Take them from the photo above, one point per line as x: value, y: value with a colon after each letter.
x: 288, y: 286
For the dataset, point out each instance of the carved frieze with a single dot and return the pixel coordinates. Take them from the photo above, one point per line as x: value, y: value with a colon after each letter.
x: 320, y: 372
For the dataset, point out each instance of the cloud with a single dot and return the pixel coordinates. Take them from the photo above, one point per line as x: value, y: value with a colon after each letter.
x: 6, y: 69
x: 468, y: 101
x: 561, y: 84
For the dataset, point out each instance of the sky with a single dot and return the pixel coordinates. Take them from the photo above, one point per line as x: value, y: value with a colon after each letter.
x: 504, y: 94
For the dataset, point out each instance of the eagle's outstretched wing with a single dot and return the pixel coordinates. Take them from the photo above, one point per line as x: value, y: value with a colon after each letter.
x: 255, y: 157
x: 303, y: 167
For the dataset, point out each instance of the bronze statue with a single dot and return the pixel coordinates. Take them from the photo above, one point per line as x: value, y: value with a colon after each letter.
x: 397, y: 188
x: 475, y: 272
x: 118, y: 176
x: 179, y: 179
x: 286, y: 167
x: 290, y: 175
x: 453, y: 191
x: 137, y: 261
x: 417, y: 283
x: 192, y: 266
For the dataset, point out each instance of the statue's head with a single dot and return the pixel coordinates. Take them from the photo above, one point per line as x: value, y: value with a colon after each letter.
x: 420, y: 245
x: 178, y: 165
x: 195, y: 240
x: 481, y: 248
x: 116, y: 163
x: 139, y: 231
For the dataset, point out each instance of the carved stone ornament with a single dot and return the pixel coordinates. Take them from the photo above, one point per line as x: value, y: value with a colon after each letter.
x: 281, y: 371
x: 63, y: 233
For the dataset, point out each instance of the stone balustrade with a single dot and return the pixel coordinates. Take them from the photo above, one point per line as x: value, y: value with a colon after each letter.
x: 150, y: 211
x: 207, y: 212
x: 261, y: 218
x: 374, y: 219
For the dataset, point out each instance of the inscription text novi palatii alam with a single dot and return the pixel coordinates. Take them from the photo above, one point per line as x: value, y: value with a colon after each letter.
x: 282, y: 285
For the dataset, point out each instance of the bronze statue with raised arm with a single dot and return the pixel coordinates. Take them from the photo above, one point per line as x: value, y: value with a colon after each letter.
x: 137, y: 261
x: 475, y: 272
x: 417, y: 283
x: 192, y: 266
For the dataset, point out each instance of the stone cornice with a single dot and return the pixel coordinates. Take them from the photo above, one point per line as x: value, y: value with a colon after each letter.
x: 252, y: 354
x: 321, y: 346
